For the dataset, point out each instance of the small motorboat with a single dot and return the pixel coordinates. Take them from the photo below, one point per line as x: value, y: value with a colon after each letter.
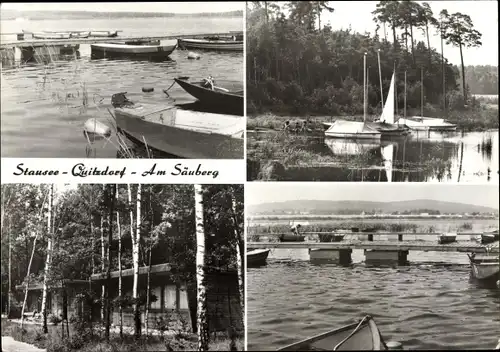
x: 489, y: 237
x: 360, y: 336
x: 208, y: 93
x: 145, y: 52
x: 257, y: 257
x: 285, y: 237
x: 447, y: 238
x: 216, y: 44
x: 182, y: 133
x: 352, y: 130
x: 485, y: 269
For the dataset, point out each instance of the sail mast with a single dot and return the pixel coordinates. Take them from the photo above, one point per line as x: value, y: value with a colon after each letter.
x: 422, y: 92
x: 405, y: 98
x: 380, y: 76
x: 395, y: 89
x: 364, y: 88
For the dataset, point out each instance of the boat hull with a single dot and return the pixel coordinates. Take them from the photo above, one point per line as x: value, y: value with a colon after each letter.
x: 388, y: 129
x: 489, y: 237
x: 284, y: 237
x: 370, y: 136
x: 257, y: 258
x: 180, y: 142
x: 216, y: 45
x: 443, y: 239
x: 224, y: 100
x: 360, y: 336
x: 137, y: 52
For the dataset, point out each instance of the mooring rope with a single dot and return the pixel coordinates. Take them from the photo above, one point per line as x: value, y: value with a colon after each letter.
x: 352, y: 333
x: 166, y: 90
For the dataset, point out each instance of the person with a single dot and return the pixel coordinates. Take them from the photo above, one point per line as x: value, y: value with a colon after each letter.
x: 295, y: 229
x: 286, y: 126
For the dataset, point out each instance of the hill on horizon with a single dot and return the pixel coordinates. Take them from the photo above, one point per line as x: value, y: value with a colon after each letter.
x: 62, y: 14
x: 324, y: 207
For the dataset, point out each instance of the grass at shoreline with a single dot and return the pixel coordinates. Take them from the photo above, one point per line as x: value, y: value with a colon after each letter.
x: 53, y: 342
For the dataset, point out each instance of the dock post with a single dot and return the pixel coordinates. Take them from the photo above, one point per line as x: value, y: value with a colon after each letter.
x: 20, y: 36
x: 400, y: 237
x: 370, y: 237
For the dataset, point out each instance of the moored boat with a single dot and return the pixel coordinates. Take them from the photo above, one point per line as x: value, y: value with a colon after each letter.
x: 352, y: 130
x: 208, y: 93
x: 360, y: 336
x: 211, y: 44
x: 485, y: 269
x: 257, y: 257
x: 447, y: 238
x: 43, y: 35
x: 285, y: 237
x: 108, y: 34
x: 489, y: 237
x: 148, y: 52
x: 420, y: 123
x: 183, y: 133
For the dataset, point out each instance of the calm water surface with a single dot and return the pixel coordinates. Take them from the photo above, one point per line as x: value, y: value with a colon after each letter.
x: 44, y: 107
x: 426, y: 305
x: 420, y: 157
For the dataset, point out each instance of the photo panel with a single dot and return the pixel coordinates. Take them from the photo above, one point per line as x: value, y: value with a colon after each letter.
x: 372, y: 266
x: 123, y: 266
x: 132, y: 80
x: 372, y: 91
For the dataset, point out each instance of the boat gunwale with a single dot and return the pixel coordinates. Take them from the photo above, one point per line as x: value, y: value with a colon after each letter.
x: 228, y: 93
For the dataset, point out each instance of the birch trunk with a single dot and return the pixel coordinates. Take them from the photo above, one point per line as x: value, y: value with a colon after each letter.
x: 9, y: 297
x: 239, y: 255
x: 120, y: 308
x: 200, y: 271
x: 111, y: 193
x: 148, y: 288
x: 135, y: 258
x: 103, y: 259
x: 48, y: 258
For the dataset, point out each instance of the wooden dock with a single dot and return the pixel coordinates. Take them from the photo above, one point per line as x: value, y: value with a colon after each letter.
x: 54, y: 42
x: 416, y: 245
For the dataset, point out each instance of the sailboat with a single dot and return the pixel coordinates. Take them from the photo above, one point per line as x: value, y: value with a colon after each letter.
x: 354, y: 129
x: 386, y: 124
x: 421, y: 122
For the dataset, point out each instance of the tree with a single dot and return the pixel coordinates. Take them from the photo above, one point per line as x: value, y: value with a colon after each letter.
x: 388, y: 12
x: 427, y: 18
x: 200, y: 270
x: 49, y: 253
x: 135, y: 257
x: 458, y: 30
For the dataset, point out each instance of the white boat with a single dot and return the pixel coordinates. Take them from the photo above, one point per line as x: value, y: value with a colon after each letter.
x: 388, y: 157
x: 351, y: 146
x: 183, y: 133
x: 421, y: 123
x: 207, y: 44
x: 352, y: 130
x: 150, y: 52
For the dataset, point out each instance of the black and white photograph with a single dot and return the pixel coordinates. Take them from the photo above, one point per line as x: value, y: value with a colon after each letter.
x: 351, y: 266
x: 122, y: 80
x: 122, y: 267
x: 382, y: 91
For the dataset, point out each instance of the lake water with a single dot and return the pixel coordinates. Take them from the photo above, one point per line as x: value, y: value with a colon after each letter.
x: 44, y: 107
x: 420, y: 157
x: 423, y: 306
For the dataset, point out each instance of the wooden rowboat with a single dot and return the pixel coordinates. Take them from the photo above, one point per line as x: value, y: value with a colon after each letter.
x: 182, y: 133
x: 361, y: 336
x: 147, y: 52
x: 485, y: 269
x: 489, y: 237
x: 447, y: 238
x: 232, y: 100
x: 257, y: 257
x: 285, y: 237
x: 207, y: 44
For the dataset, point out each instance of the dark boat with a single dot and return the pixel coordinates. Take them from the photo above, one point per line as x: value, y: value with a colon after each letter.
x: 489, y: 237
x: 257, y: 257
x: 182, y: 133
x: 284, y: 237
x: 447, y: 238
x: 136, y: 52
x: 328, y: 237
x: 217, y: 97
x: 485, y: 269
x: 361, y: 336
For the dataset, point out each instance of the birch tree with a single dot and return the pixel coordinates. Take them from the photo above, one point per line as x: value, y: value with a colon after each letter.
x: 48, y: 258
x: 135, y: 258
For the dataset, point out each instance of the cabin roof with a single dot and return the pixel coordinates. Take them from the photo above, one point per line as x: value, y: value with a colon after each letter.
x: 33, y: 286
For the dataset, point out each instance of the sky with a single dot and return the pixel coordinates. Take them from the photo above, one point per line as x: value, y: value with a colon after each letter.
x: 484, y: 195
x: 171, y: 7
x: 484, y: 15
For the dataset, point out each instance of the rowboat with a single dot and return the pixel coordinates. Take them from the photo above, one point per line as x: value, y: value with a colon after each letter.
x: 257, y: 257
x: 352, y: 130
x: 447, y: 238
x: 42, y: 35
x: 360, y: 336
x: 284, y: 237
x: 217, y: 96
x: 148, y: 52
x: 210, y: 44
x: 182, y: 133
x: 485, y: 269
x: 108, y: 34
x: 489, y: 237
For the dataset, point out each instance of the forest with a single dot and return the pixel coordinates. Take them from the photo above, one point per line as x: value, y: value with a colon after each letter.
x: 297, y: 66
x: 50, y: 236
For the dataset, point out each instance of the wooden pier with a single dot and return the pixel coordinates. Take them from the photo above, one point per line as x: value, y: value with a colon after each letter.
x: 73, y: 41
x: 425, y: 246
